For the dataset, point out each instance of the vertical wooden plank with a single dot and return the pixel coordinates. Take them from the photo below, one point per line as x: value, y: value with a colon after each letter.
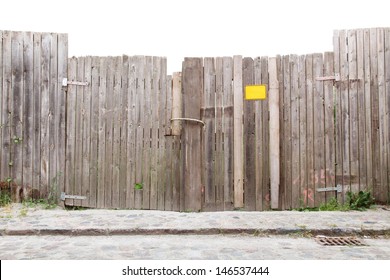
x: 61, y: 113
x: 78, y: 154
x: 219, y: 195
x: 147, y: 131
x: 176, y: 161
x: 367, y: 105
x: 345, y: 117
x: 36, y: 153
x: 361, y: 110
x: 238, y: 136
x: 319, y: 143
x: 45, y: 112
x: 2, y: 126
x: 281, y: 128
x: 102, y: 132
x: 208, y: 117
x: 374, y: 112
x: 309, y: 194
x: 86, y: 132
x: 259, y: 158
x: 353, y: 110
x: 249, y: 139
x: 382, y: 194
x: 295, y: 151
x: 302, y: 173
x: 53, y: 110
x: 228, y: 132
x: 274, y: 133
x: 265, y: 145
x: 327, y: 176
x: 192, y: 92
x: 116, y: 152
x: 155, y: 190
x: 139, y: 119
x: 287, y: 133
x: 387, y: 106
x: 124, y: 124
x: 28, y: 87
x: 131, y: 132
x: 94, y: 164
x: 16, y: 101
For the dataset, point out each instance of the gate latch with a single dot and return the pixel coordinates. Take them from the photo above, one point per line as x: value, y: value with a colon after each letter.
x: 65, y: 196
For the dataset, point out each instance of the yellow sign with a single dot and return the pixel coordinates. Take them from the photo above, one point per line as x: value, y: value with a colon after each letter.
x: 255, y: 92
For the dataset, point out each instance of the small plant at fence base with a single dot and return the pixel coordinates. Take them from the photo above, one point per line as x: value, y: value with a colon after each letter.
x: 138, y: 186
x: 361, y: 201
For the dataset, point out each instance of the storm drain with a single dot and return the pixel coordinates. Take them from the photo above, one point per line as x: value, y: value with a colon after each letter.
x: 339, y: 241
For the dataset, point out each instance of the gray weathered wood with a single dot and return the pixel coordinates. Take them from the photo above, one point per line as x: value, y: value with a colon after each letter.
x: 259, y: 158
x: 387, y: 106
x: 287, y: 132
x: 192, y: 92
x: 176, y: 160
x: 219, y: 158
x: 249, y: 139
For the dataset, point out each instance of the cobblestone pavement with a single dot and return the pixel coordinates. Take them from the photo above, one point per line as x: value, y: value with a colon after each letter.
x: 171, y: 247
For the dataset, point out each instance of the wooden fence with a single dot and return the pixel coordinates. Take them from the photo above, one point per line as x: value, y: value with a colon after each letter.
x: 124, y: 134
x: 32, y: 116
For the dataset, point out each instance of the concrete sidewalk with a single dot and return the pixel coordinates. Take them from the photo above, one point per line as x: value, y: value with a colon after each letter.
x: 19, y: 220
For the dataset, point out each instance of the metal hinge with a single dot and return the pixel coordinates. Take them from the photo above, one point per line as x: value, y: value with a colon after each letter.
x: 336, y: 78
x: 329, y: 189
x: 65, y: 83
x: 65, y: 196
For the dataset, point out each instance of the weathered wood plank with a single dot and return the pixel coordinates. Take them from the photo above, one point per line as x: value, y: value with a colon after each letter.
x: 45, y: 113
x: 208, y: 117
x: 60, y: 111
x: 228, y: 132
x: 382, y: 192
x: 302, y: 173
x: 36, y: 137
x: 265, y: 126
x: 155, y: 190
x: 192, y: 92
x: 166, y: 89
x: 327, y: 176
x: 131, y: 133
x: 176, y: 160
x: 116, y: 140
x: 78, y: 153
x: 374, y: 112
x: 124, y: 125
x: 28, y: 87
x: 94, y: 160
x: 310, y: 78
x: 102, y: 132
x: 249, y: 139
x: 353, y: 109
x: 86, y: 132
x: 165, y: 107
x: 287, y: 133
x: 70, y: 128
x: 282, y: 135
x: 147, y: 133
x: 367, y: 105
x: 53, y: 175
x: 237, y: 130
x: 2, y: 126
x: 361, y: 109
x: 387, y: 108
x: 295, y: 121
x: 139, y: 120
x: 259, y: 159
x: 16, y: 101
x: 319, y: 142
x: 219, y: 159
x: 345, y: 121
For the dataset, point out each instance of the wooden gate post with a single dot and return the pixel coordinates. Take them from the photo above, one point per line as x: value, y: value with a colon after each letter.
x: 192, y: 93
x: 274, y: 139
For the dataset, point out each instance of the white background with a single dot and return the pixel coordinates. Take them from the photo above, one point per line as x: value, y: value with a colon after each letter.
x: 179, y: 28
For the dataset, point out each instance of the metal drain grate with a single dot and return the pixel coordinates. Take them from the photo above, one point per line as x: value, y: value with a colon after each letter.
x: 339, y: 241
